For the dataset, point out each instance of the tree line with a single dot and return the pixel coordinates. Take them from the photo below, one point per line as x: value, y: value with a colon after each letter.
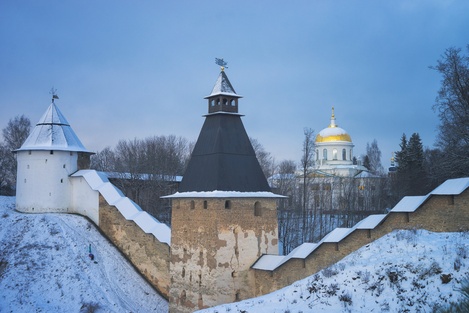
x: 146, y: 169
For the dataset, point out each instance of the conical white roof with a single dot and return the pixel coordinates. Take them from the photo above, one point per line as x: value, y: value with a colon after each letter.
x: 223, y: 87
x: 53, y: 132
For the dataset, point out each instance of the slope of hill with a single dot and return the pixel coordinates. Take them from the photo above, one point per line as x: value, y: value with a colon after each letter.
x: 405, y: 271
x: 45, y: 267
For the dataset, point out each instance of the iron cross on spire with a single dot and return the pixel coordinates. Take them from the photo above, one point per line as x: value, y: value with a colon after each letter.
x: 222, y: 63
x: 53, y: 92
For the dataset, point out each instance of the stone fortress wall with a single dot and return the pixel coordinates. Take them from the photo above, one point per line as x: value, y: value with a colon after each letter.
x: 446, y: 209
x: 147, y: 245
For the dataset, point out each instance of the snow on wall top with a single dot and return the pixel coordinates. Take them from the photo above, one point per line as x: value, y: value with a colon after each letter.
x: 53, y: 132
x: 370, y: 222
x: 407, y: 204
x: 129, y: 209
x: 224, y: 194
x: 452, y: 187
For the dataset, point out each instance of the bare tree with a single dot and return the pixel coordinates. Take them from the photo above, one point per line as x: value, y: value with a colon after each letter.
x: 104, y: 160
x: 266, y: 161
x: 374, y: 158
x: 452, y: 105
x: 306, y: 166
x: 14, y: 135
x: 16, y: 132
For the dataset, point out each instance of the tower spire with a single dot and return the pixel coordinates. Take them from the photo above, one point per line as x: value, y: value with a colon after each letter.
x: 333, y: 124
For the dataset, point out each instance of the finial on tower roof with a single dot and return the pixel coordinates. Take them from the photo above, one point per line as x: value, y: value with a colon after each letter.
x: 53, y: 92
x: 222, y: 63
x: 333, y: 124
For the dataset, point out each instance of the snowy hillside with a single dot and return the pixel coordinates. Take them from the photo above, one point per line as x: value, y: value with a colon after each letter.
x: 405, y: 271
x: 45, y: 267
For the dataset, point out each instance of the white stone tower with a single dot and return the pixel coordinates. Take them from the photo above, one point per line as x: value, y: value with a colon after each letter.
x: 47, y: 158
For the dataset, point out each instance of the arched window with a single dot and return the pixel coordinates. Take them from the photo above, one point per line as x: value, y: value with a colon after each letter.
x: 257, y: 209
x: 344, y: 154
x: 334, y: 154
x: 324, y: 154
x: 350, y: 155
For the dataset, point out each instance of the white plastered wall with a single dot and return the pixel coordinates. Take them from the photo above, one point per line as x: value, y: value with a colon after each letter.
x: 43, y: 183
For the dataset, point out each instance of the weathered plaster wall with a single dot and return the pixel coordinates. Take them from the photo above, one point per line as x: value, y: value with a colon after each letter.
x: 213, y: 248
x: 146, y: 253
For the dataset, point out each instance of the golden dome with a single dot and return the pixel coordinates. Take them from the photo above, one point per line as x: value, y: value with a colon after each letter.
x: 341, y: 137
x: 333, y: 132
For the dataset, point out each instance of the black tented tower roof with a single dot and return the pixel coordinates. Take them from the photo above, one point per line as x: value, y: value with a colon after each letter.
x: 223, y: 158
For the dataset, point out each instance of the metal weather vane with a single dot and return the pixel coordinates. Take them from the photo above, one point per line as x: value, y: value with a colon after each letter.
x: 222, y: 63
x: 53, y: 92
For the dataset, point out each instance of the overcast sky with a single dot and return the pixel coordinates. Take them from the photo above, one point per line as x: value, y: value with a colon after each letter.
x: 134, y: 69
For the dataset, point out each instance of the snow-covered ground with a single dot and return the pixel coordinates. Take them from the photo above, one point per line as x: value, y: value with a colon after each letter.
x: 404, y: 271
x: 45, y: 267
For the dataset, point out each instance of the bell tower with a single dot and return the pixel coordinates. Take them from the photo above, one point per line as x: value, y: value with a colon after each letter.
x: 224, y: 214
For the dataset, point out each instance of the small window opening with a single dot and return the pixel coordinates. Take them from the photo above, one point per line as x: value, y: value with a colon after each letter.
x: 64, y: 165
x: 205, y: 204
x: 344, y: 154
x: 61, y: 180
x: 29, y: 152
x: 237, y: 296
x: 225, y: 101
x: 51, y: 151
x: 228, y: 204
x: 257, y: 209
x: 192, y: 204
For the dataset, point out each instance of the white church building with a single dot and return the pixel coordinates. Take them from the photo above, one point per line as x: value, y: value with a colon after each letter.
x: 334, y: 152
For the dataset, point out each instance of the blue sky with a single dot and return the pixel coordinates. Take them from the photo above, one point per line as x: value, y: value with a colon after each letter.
x: 133, y: 69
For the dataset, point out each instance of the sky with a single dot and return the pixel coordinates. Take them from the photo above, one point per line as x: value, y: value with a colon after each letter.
x: 135, y: 69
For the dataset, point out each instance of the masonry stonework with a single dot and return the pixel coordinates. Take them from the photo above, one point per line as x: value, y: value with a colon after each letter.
x: 445, y: 213
x: 214, y: 242
x: 146, y: 253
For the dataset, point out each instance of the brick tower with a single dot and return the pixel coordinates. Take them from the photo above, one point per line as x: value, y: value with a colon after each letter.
x: 224, y: 215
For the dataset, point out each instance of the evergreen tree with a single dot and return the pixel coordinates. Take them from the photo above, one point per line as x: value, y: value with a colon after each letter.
x: 415, y: 166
